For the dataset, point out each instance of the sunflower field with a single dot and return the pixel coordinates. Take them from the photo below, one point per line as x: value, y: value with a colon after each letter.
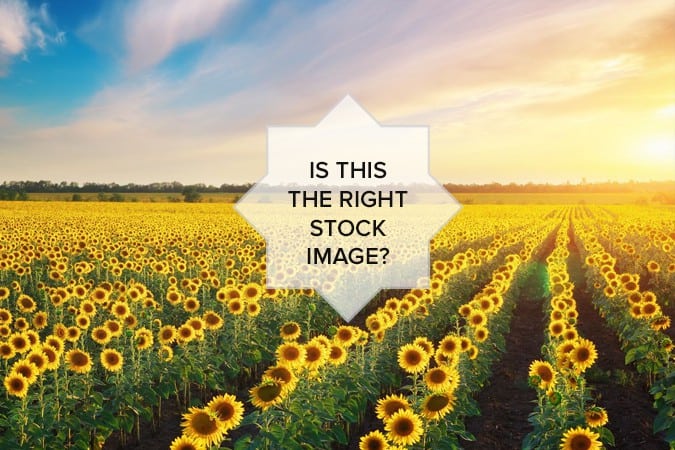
x: 149, y: 326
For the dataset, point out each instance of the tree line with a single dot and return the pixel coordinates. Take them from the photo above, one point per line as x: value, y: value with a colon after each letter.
x: 19, y: 190
x: 173, y: 187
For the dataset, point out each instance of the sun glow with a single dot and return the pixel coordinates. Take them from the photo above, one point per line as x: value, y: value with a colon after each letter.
x: 659, y: 149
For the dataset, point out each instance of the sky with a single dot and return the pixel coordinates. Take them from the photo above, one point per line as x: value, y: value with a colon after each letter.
x: 519, y: 91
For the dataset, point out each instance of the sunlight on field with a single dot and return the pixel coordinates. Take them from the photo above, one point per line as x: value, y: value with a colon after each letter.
x: 109, y: 312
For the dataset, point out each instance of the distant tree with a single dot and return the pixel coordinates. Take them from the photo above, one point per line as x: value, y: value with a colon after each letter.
x: 117, y: 197
x: 77, y: 198
x: 191, y: 194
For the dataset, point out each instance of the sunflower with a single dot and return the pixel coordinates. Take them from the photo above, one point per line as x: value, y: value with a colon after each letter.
x: 167, y: 334
x: 391, y: 304
x: 283, y: 375
x: 5, y: 316
x: 212, y: 320
x: 386, y: 407
x: 449, y: 345
x: 20, y: 342
x: 114, y: 327
x: 290, y: 331
x: 16, y: 385
x: 316, y: 355
x: 253, y: 309
x: 440, y: 378
x: 660, y: 323
x: 580, y: 439
x: 583, y: 355
x: 596, y: 417
x: 653, y: 267
x: 88, y: 308
x: 40, y: 320
x: 291, y: 354
x: 412, y: 358
x: 346, y: 336
x: 557, y: 315
x: 201, y: 425
x: 235, y: 306
x: 404, y: 427
x: 173, y: 296
x: 556, y: 328
x: 26, y: 304
x: 268, y: 393
x: 337, y: 354
x: 79, y: 361
x: 374, y: 440
x: 112, y: 360
x: 7, y: 351
x: 186, y: 333
x: 570, y: 334
x: 26, y: 369
x: 480, y: 333
x: 465, y: 310
x: 186, y: 443
x: 227, y: 409
x: 649, y: 310
x: 437, y: 405
x: 52, y: 357
x: 38, y: 357
x: 374, y: 323
x: 197, y: 324
x: 191, y: 304
x: 446, y: 360
x: 473, y: 352
x: 425, y: 343
x: 544, y: 374
x: 165, y: 353
x: 73, y: 334
x: 635, y: 311
x: 476, y: 317
x: 144, y: 341
x: 252, y: 292
x: 120, y: 310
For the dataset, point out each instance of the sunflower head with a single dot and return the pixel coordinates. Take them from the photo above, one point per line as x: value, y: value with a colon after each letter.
x: 437, y: 405
x: 112, y: 360
x: 580, y: 439
x: 404, y: 428
x: 596, y: 417
x: 290, y: 331
x: 16, y: 385
x: 374, y: 440
x: 412, y: 358
x: 227, y: 409
x: 202, y: 425
x: 387, y: 406
x: 268, y: 393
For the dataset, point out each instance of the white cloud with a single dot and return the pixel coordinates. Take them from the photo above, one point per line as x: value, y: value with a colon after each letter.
x: 14, y: 26
x: 22, y: 28
x: 153, y: 29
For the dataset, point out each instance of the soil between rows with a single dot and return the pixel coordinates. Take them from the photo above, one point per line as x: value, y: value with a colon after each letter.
x: 617, y: 387
x: 507, y: 401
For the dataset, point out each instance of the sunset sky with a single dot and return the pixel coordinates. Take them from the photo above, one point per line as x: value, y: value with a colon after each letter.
x: 143, y: 91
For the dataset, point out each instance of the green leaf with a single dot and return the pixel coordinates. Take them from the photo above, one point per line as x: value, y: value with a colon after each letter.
x: 636, y: 353
x: 663, y: 419
x: 340, y: 435
x: 243, y: 442
x: 606, y: 436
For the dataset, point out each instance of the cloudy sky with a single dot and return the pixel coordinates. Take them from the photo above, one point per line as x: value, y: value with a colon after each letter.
x: 146, y: 90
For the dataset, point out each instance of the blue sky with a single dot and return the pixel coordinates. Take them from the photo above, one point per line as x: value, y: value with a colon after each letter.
x: 143, y: 90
